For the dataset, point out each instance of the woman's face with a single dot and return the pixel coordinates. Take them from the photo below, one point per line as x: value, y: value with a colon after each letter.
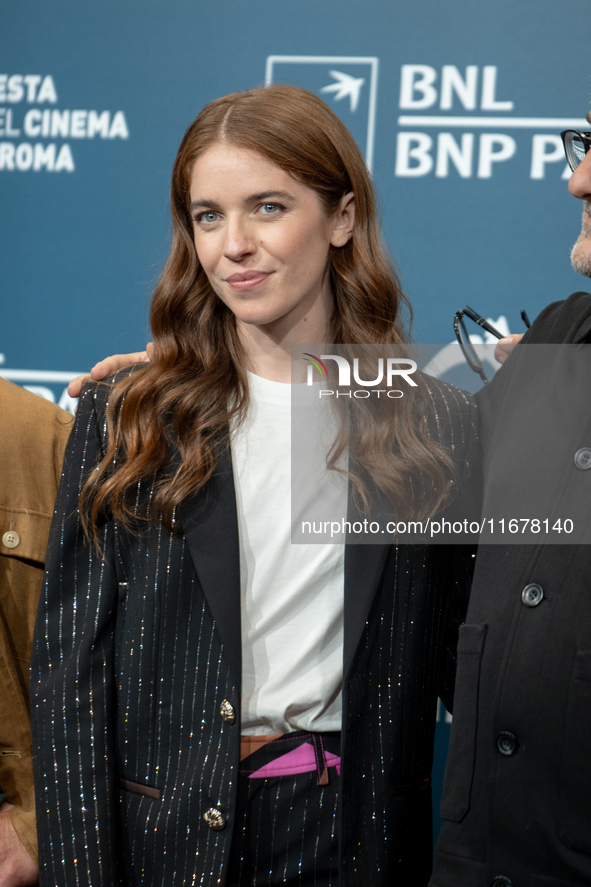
x: 263, y: 238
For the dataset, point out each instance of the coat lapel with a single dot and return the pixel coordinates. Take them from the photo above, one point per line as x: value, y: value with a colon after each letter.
x: 364, y: 565
x: 210, y: 525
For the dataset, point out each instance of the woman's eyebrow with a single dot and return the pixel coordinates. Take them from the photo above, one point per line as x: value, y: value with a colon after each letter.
x: 205, y: 204
x: 252, y: 198
x: 268, y: 195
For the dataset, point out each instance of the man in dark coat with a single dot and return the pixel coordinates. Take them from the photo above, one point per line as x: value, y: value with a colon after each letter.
x: 516, y: 806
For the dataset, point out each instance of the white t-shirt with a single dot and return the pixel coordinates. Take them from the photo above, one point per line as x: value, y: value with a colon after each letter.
x: 291, y: 595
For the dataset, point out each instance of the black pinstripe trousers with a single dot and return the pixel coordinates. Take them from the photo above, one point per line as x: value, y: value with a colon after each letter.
x: 286, y: 826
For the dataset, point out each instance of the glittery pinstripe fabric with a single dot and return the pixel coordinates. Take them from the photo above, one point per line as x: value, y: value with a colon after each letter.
x: 128, y: 678
x: 132, y: 661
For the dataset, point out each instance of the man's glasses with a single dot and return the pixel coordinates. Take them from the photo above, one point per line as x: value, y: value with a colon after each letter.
x: 576, y: 144
x: 465, y: 343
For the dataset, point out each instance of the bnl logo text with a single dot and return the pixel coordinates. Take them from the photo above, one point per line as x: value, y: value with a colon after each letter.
x: 420, y: 153
x: 395, y: 367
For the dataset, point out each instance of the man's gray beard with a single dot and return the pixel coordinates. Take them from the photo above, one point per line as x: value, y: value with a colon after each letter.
x: 580, y: 257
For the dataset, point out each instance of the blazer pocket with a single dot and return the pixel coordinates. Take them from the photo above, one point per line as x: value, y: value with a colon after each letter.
x: 575, y: 774
x: 138, y: 788
x: 459, y: 773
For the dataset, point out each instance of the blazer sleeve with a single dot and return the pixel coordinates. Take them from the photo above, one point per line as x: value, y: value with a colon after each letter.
x: 72, y: 683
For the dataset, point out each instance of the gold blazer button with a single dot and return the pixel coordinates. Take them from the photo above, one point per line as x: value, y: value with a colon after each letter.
x: 215, y: 819
x: 227, y: 712
x: 11, y: 539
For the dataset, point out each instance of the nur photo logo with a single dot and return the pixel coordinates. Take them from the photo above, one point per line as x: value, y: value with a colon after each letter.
x: 389, y: 370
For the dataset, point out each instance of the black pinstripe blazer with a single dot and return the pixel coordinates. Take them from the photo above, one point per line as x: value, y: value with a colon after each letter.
x: 136, y: 651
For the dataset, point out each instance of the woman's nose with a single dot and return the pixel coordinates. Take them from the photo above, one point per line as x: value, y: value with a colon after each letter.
x: 239, y: 241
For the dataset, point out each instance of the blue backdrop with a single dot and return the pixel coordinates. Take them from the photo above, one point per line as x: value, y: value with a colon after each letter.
x: 457, y: 106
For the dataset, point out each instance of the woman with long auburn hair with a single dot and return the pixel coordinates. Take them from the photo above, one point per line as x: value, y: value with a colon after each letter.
x: 212, y: 704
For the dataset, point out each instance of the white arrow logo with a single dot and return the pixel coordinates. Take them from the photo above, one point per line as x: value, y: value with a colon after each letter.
x: 345, y: 86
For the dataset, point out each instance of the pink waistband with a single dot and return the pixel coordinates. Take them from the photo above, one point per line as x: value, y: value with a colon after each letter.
x: 302, y: 759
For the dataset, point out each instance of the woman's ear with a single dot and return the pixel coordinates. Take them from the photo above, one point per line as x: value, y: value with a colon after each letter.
x: 343, y: 220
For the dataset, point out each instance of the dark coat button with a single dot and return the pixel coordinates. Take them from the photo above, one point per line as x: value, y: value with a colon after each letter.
x: 532, y: 594
x: 506, y: 743
x: 583, y: 458
x: 501, y: 881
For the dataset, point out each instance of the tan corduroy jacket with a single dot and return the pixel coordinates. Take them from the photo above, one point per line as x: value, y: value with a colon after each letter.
x: 33, y: 435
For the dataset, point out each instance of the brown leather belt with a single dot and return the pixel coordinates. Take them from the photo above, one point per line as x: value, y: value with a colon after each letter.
x: 250, y: 744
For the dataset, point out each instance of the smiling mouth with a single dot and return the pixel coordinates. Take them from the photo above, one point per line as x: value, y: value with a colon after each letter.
x: 247, y: 280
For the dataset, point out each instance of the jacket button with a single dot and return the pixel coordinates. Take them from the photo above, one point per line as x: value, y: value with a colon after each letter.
x: 532, y: 594
x: 583, y: 458
x: 11, y: 539
x: 227, y: 712
x: 501, y: 881
x: 507, y: 745
x: 215, y: 819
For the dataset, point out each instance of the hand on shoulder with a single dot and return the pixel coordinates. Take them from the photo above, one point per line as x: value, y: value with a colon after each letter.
x: 108, y: 367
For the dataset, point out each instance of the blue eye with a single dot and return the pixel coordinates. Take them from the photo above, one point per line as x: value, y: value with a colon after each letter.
x: 208, y: 217
x: 269, y: 208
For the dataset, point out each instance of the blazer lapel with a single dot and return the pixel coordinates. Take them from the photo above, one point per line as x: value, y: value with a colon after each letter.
x: 210, y: 525
x: 364, y: 565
